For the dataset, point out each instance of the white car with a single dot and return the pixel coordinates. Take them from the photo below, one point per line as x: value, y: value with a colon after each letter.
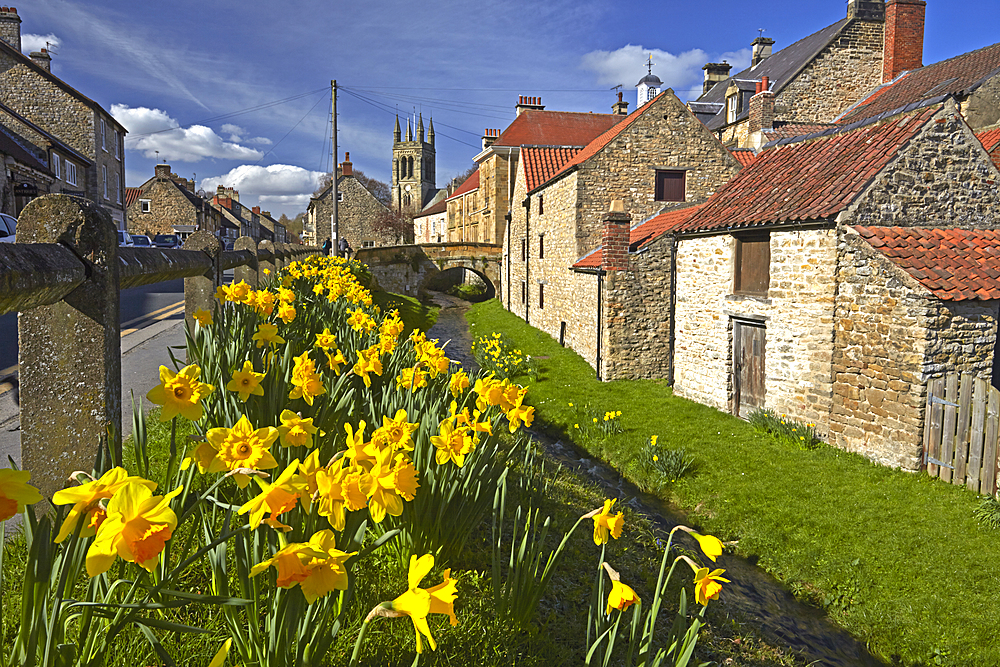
x: 124, y: 239
x: 8, y: 225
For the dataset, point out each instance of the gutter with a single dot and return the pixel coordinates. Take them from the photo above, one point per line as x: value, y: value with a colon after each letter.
x: 600, y: 320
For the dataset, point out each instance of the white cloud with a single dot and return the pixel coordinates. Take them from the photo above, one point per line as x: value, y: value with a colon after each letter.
x: 273, y: 183
x: 297, y: 201
x: 31, y: 43
x: 681, y: 72
x: 152, y: 130
x: 237, y: 135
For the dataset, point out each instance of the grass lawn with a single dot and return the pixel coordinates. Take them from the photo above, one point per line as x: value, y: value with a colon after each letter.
x: 896, y: 558
x: 415, y: 315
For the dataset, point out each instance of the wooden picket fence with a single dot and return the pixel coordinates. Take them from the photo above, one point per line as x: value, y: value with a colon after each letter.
x: 961, y: 427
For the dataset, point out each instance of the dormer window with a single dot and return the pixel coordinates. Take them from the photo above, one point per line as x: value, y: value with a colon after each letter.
x: 732, y: 107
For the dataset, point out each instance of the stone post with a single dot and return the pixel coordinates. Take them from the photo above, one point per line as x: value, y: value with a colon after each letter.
x: 247, y: 272
x: 615, y: 238
x: 199, y: 292
x: 267, y: 264
x: 70, y: 352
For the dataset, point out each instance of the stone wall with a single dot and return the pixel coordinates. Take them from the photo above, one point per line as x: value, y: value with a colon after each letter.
x: 359, y: 214
x: 846, y: 70
x: 943, y: 178
x: 982, y: 108
x: 167, y: 207
x: 495, y: 174
x: 514, y: 266
x: 463, y: 218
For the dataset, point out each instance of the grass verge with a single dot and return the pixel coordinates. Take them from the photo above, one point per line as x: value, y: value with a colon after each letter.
x: 898, y: 559
x: 415, y: 315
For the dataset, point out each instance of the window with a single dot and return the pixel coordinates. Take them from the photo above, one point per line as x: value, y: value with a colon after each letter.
x: 752, y: 264
x: 145, y: 205
x: 669, y: 185
x: 541, y: 205
x: 118, y: 150
x: 650, y: 94
x: 541, y: 295
x: 367, y: 244
x: 70, y: 173
x: 104, y: 136
x: 104, y: 179
x: 524, y: 291
x: 524, y: 250
x: 732, y: 108
x: 56, y: 166
x: 541, y: 246
x: 118, y: 188
x: 340, y: 196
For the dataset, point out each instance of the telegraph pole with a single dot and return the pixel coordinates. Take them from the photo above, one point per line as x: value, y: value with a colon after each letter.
x: 334, y: 219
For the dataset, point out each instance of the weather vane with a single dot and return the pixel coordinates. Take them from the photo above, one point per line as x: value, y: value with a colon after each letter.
x: 761, y: 31
x: 649, y: 64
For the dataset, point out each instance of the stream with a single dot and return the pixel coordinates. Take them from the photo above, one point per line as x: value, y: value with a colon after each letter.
x: 753, y: 595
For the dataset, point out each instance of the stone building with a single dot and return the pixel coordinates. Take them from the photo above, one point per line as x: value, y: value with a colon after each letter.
x: 28, y: 87
x: 462, y: 211
x: 813, y: 80
x: 414, y: 168
x: 168, y: 204
x: 990, y: 139
x: 431, y: 224
x: 235, y: 216
x: 658, y: 158
x: 270, y: 228
x: 364, y: 221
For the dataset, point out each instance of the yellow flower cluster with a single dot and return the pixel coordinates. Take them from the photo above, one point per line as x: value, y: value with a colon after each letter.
x: 494, y: 355
x: 508, y: 396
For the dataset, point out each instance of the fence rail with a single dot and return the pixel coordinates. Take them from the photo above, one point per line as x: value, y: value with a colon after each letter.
x: 961, y: 429
x: 64, y: 276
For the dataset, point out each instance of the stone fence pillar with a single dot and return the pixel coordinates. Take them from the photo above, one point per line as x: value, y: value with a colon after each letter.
x: 247, y: 272
x: 70, y: 352
x: 199, y: 291
x: 270, y: 265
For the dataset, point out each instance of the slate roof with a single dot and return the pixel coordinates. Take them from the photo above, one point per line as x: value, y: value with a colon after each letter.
x: 959, y: 75
x: 439, y: 207
x: 541, y: 164
x: 555, y: 128
x: 781, y: 68
x: 132, y: 195
x: 9, y: 145
x: 789, y: 130
x: 744, y: 156
x: 644, y: 233
x: 808, y: 180
x: 467, y: 186
x: 954, y: 264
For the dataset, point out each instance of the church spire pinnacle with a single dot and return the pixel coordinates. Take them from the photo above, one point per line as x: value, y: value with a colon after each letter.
x: 420, y: 128
x: 430, y: 134
x: 409, y: 130
x: 396, y: 134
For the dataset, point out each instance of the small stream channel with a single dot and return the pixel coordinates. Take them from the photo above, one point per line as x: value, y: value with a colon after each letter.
x: 753, y: 595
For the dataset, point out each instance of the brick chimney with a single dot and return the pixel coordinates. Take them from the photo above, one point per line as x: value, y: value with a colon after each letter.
x: 346, y: 167
x: 620, y: 108
x: 162, y: 171
x: 761, y: 114
x: 615, y: 238
x: 490, y: 137
x: 762, y: 47
x: 10, y: 27
x: 256, y: 209
x: 715, y: 73
x: 525, y: 103
x: 904, y: 37
x: 42, y: 59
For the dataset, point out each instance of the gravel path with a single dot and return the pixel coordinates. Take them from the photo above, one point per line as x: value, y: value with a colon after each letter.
x: 452, y: 329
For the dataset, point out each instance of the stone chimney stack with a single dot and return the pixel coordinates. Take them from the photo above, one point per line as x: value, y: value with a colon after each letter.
x: 715, y: 73
x: 525, y: 103
x: 866, y: 10
x: 490, y: 137
x: 162, y: 171
x: 42, y: 59
x: 346, y: 167
x: 762, y: 47
x: 904, y: 37
x: 10, y: 27
x: 620, y: 108
x: 615, y: 238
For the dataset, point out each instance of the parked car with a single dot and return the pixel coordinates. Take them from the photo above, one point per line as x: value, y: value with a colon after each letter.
x: 141, y: 241
x: 124, y: 239
x: 167, y: 241
x: 8, y: 225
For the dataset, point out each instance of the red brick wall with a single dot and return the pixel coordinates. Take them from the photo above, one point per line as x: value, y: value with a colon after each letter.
x: 761, y: 112
x: 615, y: 238
x: 904, y: 37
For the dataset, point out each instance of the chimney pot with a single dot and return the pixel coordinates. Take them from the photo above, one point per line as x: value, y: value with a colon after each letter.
x: 765, y: 84
x: 10, y: 27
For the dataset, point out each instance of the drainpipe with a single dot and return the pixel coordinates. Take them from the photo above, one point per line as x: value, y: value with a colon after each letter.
x: 527, y: 256
x: 672, y: 311
x: 600, y: 319
x: 508, y: 218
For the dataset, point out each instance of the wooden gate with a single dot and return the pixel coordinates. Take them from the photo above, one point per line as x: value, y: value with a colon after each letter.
x: 961, y: 427
x: 749, y: 387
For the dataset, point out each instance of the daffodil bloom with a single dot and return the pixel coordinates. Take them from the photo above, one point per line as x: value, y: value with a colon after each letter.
x: 276, y: 498
x: 393, y: 479
x: 241, y: 447
x: 396, y: 432
x: 180, y: 394
x: 291, y: 562
x: 286, y: 312
x: 711, y: 546
x: 520, y: 415
x: 368, y: 362
x: 286, y: 295
x: 265, y: 302
x: 607, y: 524
x: 306, y: 381
x: 246, y: 382
x: 620, y: 597
x: 267, y: 334
x: 137, y: 527
x: 417, y: 602
x: 296, y: 431
x: 328, y: 572
x: 308, y: 470
x: 239, y: 292
x: 341, y: 489
x: 325, y: 340
x: 452, y: 444
x: 458, y: 383
x: 86, y: 500
x: 359, y: 451
x: 706, y: 584
x: 15, y: 492
x: 652, y: 440
x: 202, y: 317
x: 222, y: 293
x: 335, y: 361
x: 412, y: 379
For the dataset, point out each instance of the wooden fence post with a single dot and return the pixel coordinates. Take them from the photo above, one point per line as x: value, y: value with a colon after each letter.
x: 70, y: 352
x: 247, y: 272
x: 199, y: 292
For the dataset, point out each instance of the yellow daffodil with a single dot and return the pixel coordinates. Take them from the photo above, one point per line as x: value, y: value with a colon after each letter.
x: 276, y: 498
x: 325, y: 340
x: 286, y: 295
x: 606, y: 524
x: 246, y: 382
x: 335, y: 361
x: 706, y: 584
x: 458, y: 383
x: 452, y: 443
x: 711, y: 546
x: 292, y: 563
x: 341, y: 489
x: 137, y: 526
x: 180, y: 394
x: 393, y: 480
x: 86, y: 498
x: 296, y: 431
x: 307, y: 383
x: 267, y: 334
x: 202, y: 317
x: 620, y: 597
x: 412, y: 379
x: 286, y: 312
x: 396, y: 432
x: 328, y: 572
x: 520, y: 415
x: 15, y: 492
x: 239, y: 292
x: 222, y: 293
x: 241, y: 448
x: 265, y: 303
x: 417, y: 602
x: 368, y: 362
x: 652, y: 440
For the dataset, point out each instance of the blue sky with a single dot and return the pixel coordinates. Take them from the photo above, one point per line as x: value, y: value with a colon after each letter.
x: 212, y: 70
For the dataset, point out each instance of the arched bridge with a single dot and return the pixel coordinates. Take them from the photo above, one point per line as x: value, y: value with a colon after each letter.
x: 411, y: 269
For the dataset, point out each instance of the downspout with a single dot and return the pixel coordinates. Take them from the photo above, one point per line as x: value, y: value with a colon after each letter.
x: 672, y: 311
x: 508, y: 218
x: 527, y: 256
x: 600, y: 319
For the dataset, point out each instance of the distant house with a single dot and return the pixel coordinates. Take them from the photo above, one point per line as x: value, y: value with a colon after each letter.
x: 364, y: 221
x: 270, y: 226
x: 29, y: 89
x: 237, y: 219
x: 462, y: 211
x: 431, y: 224
x: 168, y: 204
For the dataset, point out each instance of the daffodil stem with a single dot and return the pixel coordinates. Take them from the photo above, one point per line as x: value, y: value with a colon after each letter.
x: 173, y: 452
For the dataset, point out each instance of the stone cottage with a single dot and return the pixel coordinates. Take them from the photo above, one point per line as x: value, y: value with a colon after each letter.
x: 168, y: 204
x: 364, y: 221
x: 235, y: 216
x: 28, y: 87
x: 431, y: 224
x: 659, y: 157
x: 462, y: 211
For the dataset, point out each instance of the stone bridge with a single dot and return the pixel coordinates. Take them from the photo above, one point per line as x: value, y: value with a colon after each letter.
x: 411, y: 269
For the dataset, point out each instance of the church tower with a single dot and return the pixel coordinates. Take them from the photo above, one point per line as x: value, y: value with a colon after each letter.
x: 413, y: 167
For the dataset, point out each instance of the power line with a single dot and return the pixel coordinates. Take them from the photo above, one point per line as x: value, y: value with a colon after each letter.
x: 447, y: 105
x: 384, y: 107
x: 290, y: 131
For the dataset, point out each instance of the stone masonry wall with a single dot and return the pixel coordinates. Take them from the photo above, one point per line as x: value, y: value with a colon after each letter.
x: 513, y: 266
x: 845, y: 71
x: 666, y: 136
x: 982, y: 108
x: 943, y: 178
x: 798, y: 316
x: 494, y: 173
x: 962, y: 338
x: 167, y: 207
x: 358, y: 213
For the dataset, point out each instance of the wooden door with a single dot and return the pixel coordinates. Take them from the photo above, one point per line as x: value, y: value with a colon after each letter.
x: 748, y: 367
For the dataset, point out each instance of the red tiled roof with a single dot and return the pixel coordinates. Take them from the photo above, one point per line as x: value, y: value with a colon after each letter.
x: 131, y: 195
x: 439, y: 207
x: 744, y: 156
x: 555, y: 128
x: 467, y: 186
x: 954, y: 264
x: 790, y: 130
x: 644, y: 233
x: 808, y: 180
x: 948, y: 76
x: 541, y: 164
x: 991, y: 142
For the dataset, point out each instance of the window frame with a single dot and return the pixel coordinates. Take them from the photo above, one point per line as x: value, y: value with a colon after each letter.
x: 660, y: 179
x: 104, y: 136
x: 104, y: 179
x: 541, y: 246
x: 72, y: 177
x: 145, y: 205
x: 751, y: 246
x: 56, y: 166
x: 541, y: 296
x: 541, y: 205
